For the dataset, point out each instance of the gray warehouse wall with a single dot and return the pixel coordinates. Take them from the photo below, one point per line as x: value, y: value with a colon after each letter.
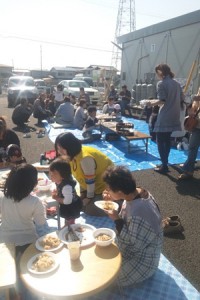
x: 166, y: 42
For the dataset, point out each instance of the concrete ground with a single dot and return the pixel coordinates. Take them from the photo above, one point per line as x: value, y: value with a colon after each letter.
x: 173, y: 197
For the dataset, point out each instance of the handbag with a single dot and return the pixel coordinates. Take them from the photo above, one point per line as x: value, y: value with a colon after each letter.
x: 191, y: 122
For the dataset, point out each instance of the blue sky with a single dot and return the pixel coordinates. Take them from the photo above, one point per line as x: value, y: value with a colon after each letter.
x: 46, y: 33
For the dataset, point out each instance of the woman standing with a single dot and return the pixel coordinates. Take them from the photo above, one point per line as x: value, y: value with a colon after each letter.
x: 170, y: 96
x: 87, y: 165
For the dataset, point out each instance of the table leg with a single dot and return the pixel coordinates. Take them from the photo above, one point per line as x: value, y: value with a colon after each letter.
x: 146, y: 145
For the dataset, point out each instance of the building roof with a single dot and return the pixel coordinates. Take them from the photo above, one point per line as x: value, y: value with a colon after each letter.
x: 66, y: 68
x: 181, y: 21
x: 101, y: 67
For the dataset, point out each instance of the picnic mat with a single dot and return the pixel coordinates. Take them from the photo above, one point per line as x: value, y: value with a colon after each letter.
x: 166, y: 284
x: 117, y: 151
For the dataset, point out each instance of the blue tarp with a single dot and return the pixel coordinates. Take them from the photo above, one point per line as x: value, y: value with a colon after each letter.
x: 117, y: 151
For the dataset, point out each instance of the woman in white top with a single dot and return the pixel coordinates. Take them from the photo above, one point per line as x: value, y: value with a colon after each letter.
x: 20, y: 211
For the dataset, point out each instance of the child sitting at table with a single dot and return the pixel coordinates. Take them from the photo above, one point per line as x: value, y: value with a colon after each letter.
x: 91, y: 130
x: 23, y: 215
x: 14, y: 155
x: 65, y: 194
x: 138, y: 225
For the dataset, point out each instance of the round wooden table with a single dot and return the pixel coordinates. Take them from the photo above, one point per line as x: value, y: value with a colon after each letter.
x: 97, y: 268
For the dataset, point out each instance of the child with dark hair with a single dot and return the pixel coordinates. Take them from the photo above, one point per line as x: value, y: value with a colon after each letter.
x: 92, y: 121
x: 14, y: 155
x: 91, y: 130
x: 70, y: 203
x: 138, y: 226
x: 23, y: 215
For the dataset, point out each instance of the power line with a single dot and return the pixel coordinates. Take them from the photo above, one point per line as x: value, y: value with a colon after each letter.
x: 58, y: 43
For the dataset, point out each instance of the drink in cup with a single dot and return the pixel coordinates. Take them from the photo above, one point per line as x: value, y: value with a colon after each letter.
x: 74, y: 250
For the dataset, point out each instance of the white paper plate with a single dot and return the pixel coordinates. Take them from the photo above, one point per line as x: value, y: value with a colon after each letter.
x: 39, y: 247
x: 101, y: 204
x: 32, y: 259
x: 86, y: 237
x: 5, y: 174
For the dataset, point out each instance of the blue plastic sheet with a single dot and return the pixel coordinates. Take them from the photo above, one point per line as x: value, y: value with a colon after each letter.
x: 117, y: 151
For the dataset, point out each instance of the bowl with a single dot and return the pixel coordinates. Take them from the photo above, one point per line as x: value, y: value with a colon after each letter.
x: 44, y: 185
x: 100, y: 232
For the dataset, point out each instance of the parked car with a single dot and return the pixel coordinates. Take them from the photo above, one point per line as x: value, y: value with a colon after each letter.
x: 21, y: 87
x: 73, y: 86
x: 89, y: 80
x: 40, y: 85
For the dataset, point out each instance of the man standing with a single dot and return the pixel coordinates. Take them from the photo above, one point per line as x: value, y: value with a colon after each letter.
x: 125, y: 95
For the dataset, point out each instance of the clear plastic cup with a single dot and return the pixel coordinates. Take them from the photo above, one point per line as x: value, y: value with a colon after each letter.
x: 74, y: 250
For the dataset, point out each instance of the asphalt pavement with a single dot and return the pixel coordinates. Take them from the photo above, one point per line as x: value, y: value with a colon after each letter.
x: 174, y: 198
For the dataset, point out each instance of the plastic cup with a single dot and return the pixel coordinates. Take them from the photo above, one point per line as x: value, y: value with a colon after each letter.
x: 74, y: 250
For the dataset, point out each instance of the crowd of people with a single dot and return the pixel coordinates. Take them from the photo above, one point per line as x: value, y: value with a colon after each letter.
x: 138, y: 221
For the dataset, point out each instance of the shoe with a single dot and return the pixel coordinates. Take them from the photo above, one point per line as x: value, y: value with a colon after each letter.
x: 172, y: 227
x: 171, y: 219
x: 161, y: 169
x: 185, y: 176
x: 27, y: 135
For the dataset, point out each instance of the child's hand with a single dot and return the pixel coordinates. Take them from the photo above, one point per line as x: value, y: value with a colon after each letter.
x: 54, y: 194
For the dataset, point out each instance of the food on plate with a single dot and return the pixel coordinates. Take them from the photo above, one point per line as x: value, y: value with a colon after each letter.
x: 40, y: 178
x: 50, y: 242
x: 108, y: 205
x: 43, y: 262
x: 103, y: 237
x: 2, y: 183
x: 80, y: 229
x: 5, y: 175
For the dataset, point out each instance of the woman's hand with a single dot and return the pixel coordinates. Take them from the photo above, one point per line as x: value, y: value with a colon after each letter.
x: 106, y: 195
x: 113, y: 214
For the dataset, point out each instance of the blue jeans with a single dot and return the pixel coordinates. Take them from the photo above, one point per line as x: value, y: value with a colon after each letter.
x: 164, y: 144
x: 125, y: 105
x: 194, y: 144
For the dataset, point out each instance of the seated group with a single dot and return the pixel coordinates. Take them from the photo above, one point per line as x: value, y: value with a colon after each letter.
x: 80, y: 115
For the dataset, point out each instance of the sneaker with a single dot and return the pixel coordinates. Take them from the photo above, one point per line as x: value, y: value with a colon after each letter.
x: 172, y: 227
x: 171, y: 219
x: 27, y: 135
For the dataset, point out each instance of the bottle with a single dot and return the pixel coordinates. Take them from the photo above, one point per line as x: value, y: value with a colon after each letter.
x: 179, y: 146
x: 42, y: 159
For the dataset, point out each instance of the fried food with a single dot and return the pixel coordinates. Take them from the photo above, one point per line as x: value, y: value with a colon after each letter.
x: 50, y: 242
x: 43, y: 263
x: 103, y: 237
x: 80, y: 229
x: 108, y: 205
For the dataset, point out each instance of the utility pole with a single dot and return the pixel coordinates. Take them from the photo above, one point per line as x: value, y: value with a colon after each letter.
x: 125, y: 23
x: 41, y: 60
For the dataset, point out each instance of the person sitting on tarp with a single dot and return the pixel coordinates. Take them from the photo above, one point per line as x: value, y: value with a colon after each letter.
x: 65, y: 113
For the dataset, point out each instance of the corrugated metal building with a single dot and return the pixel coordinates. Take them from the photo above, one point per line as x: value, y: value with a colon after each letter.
x: 175, y: 42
